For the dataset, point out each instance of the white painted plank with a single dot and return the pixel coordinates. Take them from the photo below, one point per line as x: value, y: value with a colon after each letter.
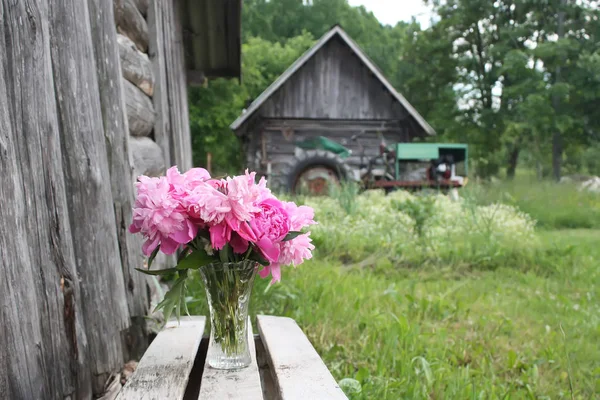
x: 164, y: 370
x: 241, y: 384
x: 298, y: 370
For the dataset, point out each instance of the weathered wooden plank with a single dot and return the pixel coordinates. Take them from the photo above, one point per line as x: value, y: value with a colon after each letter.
x: 164, y: 371
x: 147, y: 157
x: 334, y: 84
x: 131, y: 23
x: 116, y: 133
x: 333, y: 124
x: 88, y: 185
x: 142, y: 6
x: 140, y: 111
x: 43, y: 352
x: 240, y: 384
x: 176, y: 81
x: 135, y: 65
x: 298, y: 370
x: 160, y: 99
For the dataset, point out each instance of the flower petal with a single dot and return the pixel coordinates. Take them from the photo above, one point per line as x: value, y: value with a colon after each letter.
x: 168, y: 246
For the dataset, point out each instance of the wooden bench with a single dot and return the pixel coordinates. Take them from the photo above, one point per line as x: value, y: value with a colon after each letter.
x: 285, y: 366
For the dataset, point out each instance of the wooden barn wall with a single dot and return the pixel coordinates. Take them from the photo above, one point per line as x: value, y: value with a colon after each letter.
x: 274, y: 140
x: 333, y: 84
x: 171, y: 129
x: 67, y: 151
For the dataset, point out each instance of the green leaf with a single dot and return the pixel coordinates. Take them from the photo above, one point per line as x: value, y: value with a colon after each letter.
x: 157, y: 271
x: 183, y: 254
x: 291, y: 235
x: 153, y: 256
x: 172, y: 300
x: 195, y: 259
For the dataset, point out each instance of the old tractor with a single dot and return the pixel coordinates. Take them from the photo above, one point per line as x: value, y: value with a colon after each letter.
x: 408, y: 166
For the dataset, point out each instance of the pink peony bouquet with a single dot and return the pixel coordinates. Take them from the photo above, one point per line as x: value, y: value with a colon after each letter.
x: 206, y: 220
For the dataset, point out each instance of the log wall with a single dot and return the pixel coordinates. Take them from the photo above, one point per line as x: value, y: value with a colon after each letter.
x: 84, y: 108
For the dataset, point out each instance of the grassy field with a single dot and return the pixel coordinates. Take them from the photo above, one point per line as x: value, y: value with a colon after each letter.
x: 426, y: 325
x: 552, y: 205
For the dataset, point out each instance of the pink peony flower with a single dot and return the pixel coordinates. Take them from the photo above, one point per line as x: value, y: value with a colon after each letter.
x: 268, y: 228
x: 220, y: 234
x: 242, y: 194
x: 159, y: 216
x: 182, y: 183
x: 274, y: 270
x: 238, y: 243
x: 293, y: 252
x: 300, y: 217
x: 207, y: 204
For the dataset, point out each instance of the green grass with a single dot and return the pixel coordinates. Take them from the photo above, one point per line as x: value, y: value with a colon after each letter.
x: 553, y: 205
x: 446, y: 333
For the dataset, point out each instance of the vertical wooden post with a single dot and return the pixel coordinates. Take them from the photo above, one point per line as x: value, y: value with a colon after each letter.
x: 156, y: 52
x: 181, y: 149
x: 116, y: 134
x: 89, y: 192
x: 44, y: 345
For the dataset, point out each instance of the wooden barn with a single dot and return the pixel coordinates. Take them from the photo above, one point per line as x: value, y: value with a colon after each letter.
x: 335, y: 91
x: 92, y: 93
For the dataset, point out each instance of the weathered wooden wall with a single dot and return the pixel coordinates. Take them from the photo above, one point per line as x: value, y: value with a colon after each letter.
x: 72, y: 307
x: 41, y: 321
x: 274, y: 140
x: 333, y: 84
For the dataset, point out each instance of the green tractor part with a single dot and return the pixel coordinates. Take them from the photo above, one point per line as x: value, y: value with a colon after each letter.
x: 322, y: 143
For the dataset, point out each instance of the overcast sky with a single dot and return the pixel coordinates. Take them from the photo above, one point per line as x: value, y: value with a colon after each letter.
x: 391, y: 11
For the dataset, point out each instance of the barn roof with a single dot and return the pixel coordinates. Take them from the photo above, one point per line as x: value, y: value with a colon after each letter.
x: 336, y: 31
x: 211, y: 33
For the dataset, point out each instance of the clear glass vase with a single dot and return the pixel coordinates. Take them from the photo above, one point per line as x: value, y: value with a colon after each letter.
x: 228, y: 288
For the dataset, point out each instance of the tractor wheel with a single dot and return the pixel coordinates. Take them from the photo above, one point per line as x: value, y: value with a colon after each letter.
x: 314, y: 172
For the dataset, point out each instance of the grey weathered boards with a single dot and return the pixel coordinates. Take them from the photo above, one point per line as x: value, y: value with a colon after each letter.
x: 332, y: 90
x: 164, y: 370
x: 285, y: 366
x: 73, y: 308
x: 297, y: 370
x: 41, y: 323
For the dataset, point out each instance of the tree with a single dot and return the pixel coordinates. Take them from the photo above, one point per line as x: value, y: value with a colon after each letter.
x: 495, y: 74
x: 214, y: 108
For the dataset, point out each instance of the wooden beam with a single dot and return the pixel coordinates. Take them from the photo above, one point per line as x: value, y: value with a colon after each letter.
x: 131, y: 23
x: 160, y: 98
x: 42, y: 332
x: 116, y: 134
x: 176, y: 87
x: 164, y: 371
x: 140, y: 111
x: 147, y: 157
x: 142, y: 6
x: 298, y: 370
x: 89, y: 194
x: 135, y: 65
